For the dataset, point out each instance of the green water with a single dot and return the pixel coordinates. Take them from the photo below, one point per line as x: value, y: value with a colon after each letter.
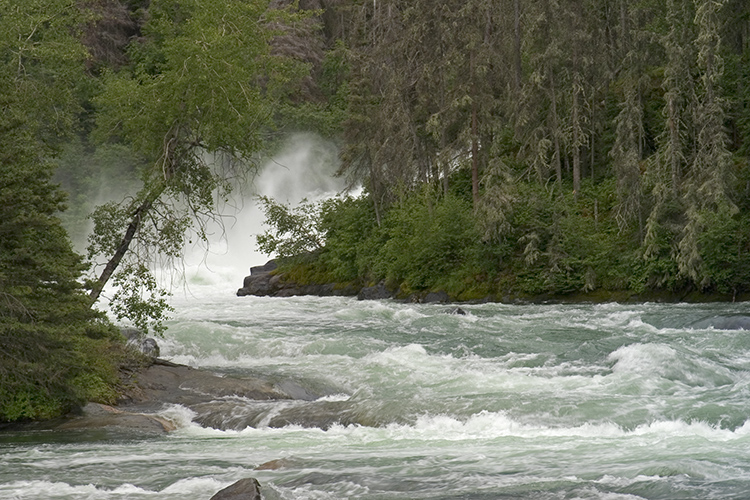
x: 532, y: 402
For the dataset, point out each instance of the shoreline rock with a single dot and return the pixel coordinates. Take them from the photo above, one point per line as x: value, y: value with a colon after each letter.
x: 98, y: 416
x: 265, y: 281
x: 212, y: 398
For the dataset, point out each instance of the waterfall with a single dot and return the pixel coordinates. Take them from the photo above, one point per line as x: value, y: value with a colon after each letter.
x: 303, y: 168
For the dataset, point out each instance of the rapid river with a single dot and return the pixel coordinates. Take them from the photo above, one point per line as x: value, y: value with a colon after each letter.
x: 506, y: 402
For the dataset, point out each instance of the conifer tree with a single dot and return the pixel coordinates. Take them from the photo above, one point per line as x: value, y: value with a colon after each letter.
x: 707, y: 181
x: 55, y: 351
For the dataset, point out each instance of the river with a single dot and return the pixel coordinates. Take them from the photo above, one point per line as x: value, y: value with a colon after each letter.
x: 543, y: 402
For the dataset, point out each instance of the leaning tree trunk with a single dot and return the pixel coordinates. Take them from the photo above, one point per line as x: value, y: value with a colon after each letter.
x: 135, y: 222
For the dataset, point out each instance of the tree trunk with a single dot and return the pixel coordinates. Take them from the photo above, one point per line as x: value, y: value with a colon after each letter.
x: 517, y: 44
x: 576, y: 145
x: 474, y: 156
x: 555, y: 130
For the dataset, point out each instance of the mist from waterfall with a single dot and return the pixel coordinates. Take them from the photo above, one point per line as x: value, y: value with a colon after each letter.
x: 304, y: 168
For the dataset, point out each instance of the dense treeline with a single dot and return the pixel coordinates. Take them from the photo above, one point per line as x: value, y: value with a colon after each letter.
x: 521, y: 148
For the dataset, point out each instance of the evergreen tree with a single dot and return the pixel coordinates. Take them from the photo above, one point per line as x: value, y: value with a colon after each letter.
x: 55, y: 351
x: 708, y: 180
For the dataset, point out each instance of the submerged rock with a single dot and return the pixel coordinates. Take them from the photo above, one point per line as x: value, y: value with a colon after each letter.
x: 736, y: 322
x: 279, y: 463
x: 244, y: 489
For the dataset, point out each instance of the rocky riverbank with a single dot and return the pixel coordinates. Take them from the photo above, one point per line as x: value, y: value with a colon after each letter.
x: 268, y: 280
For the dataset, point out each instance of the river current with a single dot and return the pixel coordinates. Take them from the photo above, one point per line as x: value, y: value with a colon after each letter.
x: 543, y: 402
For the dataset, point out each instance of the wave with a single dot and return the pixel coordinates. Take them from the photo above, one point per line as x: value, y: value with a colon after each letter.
x: 200, y: 487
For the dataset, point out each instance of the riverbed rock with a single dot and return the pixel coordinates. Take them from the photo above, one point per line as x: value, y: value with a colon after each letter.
x: 169, y: 383
x: 244, y: 489
x: 98, y: 416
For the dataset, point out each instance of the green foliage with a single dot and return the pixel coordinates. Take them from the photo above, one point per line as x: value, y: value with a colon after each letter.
x: 139, y: 299
x: 427, y: 240
x: 349, y: 228
x: 194, y: 103
x: 55, y: 351
x: 41, y: 65
x: 292, y: 230
x: 725, y: 250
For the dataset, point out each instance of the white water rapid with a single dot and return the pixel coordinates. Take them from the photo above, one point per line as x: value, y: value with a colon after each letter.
x: 509, y: 401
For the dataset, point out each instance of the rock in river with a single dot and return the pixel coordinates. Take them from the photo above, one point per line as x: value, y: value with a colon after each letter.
x: 244, y: 489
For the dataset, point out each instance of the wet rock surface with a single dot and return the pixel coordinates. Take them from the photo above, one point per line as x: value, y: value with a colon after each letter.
x: 95, y: 415
x: 244, y: 489
x: 215, y: 400
x: 376, y: 292
x: 168, y: 383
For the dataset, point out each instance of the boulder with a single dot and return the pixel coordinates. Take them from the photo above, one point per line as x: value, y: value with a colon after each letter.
x: 377, y: 292
x: 138, y: 341
x: 244, y: 489
x: 456, y: 310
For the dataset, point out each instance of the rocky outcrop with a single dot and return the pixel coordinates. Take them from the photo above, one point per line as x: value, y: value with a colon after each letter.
x: 214, y: 400
x: 259, y: 281
x: 440, y: 297
x: 265, y: 281
x: 244, y: 489
x: 169, y: 383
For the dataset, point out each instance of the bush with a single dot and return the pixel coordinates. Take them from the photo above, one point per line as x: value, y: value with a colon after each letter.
x: 725, y: 250
x: 427, y: 241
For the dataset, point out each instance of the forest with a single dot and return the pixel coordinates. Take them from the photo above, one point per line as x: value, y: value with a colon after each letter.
x: 505, y: 149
